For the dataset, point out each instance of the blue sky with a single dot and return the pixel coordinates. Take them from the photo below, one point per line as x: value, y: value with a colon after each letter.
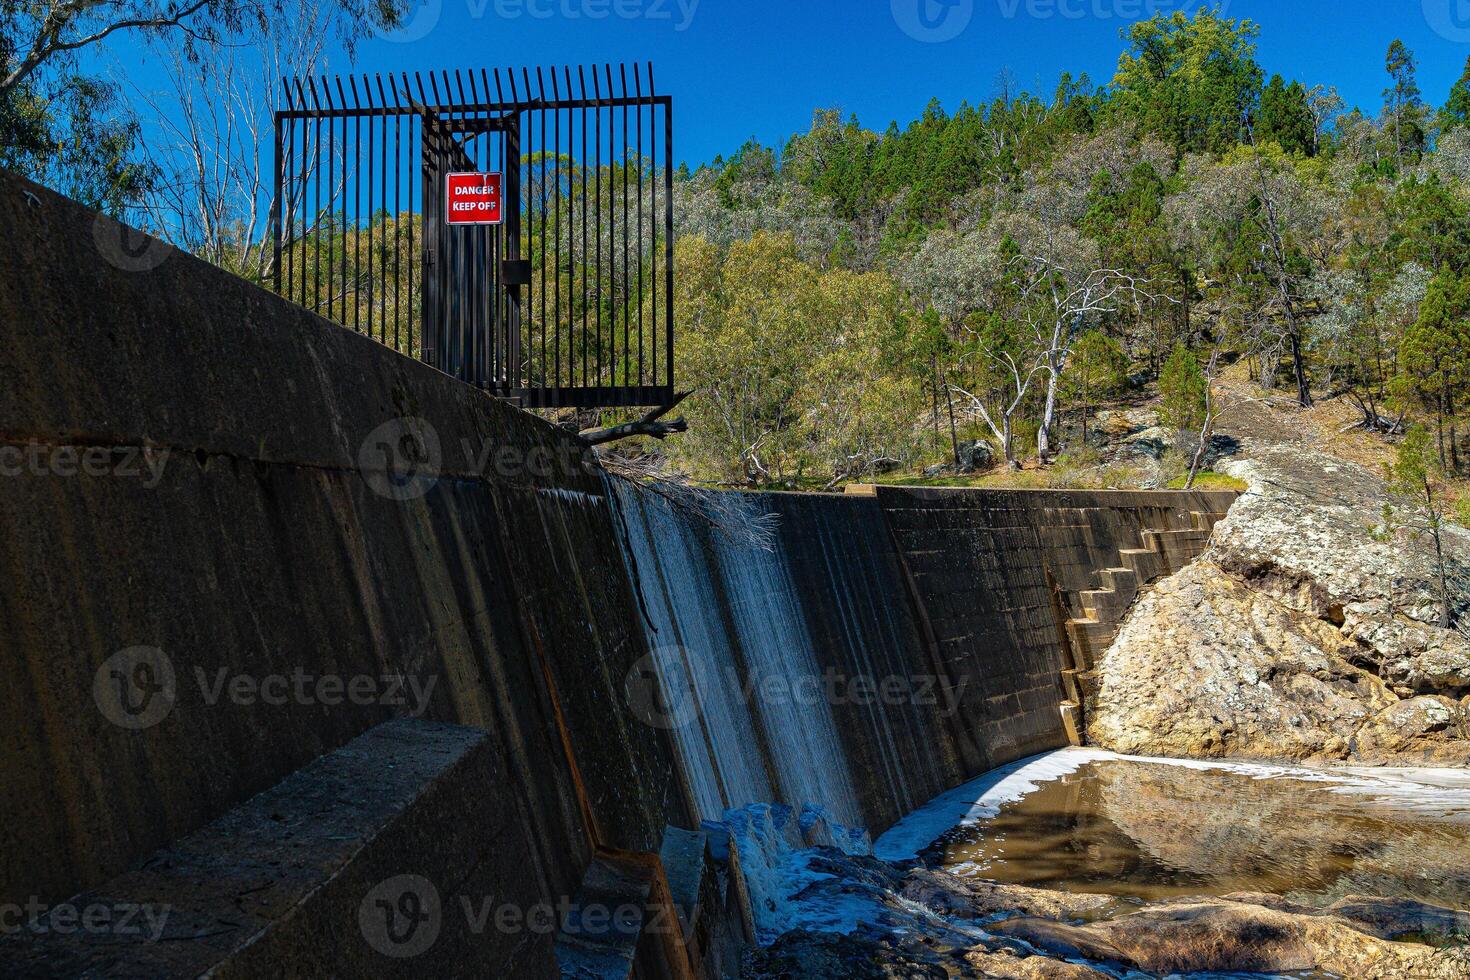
x: 742, y: 68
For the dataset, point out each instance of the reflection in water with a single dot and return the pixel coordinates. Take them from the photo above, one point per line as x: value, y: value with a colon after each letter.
x: 1153, y: 831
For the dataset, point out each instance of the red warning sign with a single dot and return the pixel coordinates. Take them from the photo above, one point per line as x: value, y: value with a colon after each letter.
x: 474, y: 199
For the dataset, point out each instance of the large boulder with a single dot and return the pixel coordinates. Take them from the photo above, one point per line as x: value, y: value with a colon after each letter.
x: 1305, y: 632
x: 1207, y: 667
x: 976, y: 456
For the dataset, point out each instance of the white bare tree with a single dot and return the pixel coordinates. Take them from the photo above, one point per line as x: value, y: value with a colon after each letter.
x: 215, y: 197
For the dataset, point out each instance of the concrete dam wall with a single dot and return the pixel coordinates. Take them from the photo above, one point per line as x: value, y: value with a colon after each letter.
x: 247, y: 553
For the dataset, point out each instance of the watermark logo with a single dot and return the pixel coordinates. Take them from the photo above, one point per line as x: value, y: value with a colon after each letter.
x: 119, y: 919
x: 1129, y: 10
x: 401, y: 458
x: 34, y: 458
x: 402, y: 916
x: 662, y: 696
x: 127, y: 248
x: 135, y: 688
x: 1450, y: 19
x: 680, y: 13
x: 933, y: 21
x: 424, y: 18
x: 661, y: 690
x: 138, y: 688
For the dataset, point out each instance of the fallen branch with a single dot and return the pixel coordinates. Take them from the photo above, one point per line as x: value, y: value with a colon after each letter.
x: 650, y: 425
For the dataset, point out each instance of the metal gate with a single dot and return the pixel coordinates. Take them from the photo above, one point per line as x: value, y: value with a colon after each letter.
x: 566, y: 301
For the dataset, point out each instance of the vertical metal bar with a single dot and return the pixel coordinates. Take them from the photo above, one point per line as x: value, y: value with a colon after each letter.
x: 627, y: 319
x: 597, y: 213
x: 356, y: 208
x: 638, y: 90
x: 387, y: 223
x: 316, y: 214
x: 372, y: 136
x: 305, y: 177
x: 513, y: 295
x: 545, y: 224
x: 412, y: 255
x: 346, y: 273
x: 397, y: 224
x: 669, y: 237
x: 556, y: 229
x: 582, y: 78
x: 653, y: 341
x: 331, y: 185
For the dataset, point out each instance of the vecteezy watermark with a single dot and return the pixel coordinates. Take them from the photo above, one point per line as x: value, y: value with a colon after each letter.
x: 1099, y: 9
x: 401, y: 917
x: 933, y: 21
x: 663, y: 691
x: 403, y: 459
x: 135, y: 688
x: 44, y: 459
x: 138, y: 688
x: 121, y: 919
x: 404, y: 916
x: 937, y: 21
x: 1450, y: 19
x: 127, y: 248
x: 422, y: 19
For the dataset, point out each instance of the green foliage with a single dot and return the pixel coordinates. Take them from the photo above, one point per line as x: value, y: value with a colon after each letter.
x: 1286, y: 118
x: 1456, y: 111
x: 1403, y: 102
x: 72, y: 134
x: 1192, y: 80
x: 793, y: 386
x: 1184, y: 391
x: 1098, y: 369
x: 1415, y: 467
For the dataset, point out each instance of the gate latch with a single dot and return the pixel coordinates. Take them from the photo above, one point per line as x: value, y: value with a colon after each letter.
x: 515, y: 272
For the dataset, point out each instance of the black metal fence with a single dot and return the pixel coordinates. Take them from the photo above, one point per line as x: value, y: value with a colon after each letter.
x: 567, y: 301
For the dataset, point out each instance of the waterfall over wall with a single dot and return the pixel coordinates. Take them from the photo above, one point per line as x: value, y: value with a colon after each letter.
x: 738, y: 667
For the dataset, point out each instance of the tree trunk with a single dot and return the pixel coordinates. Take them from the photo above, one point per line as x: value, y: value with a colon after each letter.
x: 1008, y: 445
x: 1048, y: 419
x: 934, y: 390
x: 954, y: 436
x: 1299, y: 368
x: 1439, y: 424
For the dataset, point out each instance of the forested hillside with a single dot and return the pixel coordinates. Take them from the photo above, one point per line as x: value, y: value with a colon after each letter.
x: 859, y: 302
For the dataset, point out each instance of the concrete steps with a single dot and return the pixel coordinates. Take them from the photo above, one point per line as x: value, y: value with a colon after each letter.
x: 1164, y: 552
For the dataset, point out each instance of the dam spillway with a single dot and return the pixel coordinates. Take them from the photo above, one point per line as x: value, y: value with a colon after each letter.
x: 316, y: 507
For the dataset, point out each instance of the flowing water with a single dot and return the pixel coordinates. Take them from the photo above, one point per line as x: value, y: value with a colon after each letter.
x: 722, y: 618
x: 1146, y: 831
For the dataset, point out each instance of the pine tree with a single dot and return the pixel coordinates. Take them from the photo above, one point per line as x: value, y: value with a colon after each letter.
x: 1456, y: 110
x: 1435, y: 354
x: 1286, y: 117
x: 1184, y: 389
x: 1403, y: 102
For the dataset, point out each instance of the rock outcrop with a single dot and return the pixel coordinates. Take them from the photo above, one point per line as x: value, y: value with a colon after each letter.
x: 1303, y: 633
x: 1233, y: 934
x: 911, y: 923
